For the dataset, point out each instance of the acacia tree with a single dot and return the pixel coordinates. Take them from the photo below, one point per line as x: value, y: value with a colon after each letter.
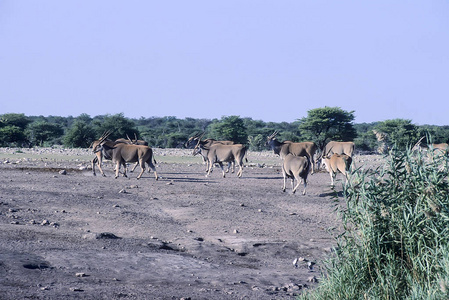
x: 81, y: 134
x: 43, y: 131
x: 230, y: 128
x: 398, y: 132
x: 12, y: 129
x: 118, y: 124
x: 329, y: 123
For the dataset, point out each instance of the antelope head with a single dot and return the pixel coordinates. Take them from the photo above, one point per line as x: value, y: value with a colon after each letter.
x: 192, y: 138
x: 98, y: 145
x: 195, y: 150
x: 272, y: 136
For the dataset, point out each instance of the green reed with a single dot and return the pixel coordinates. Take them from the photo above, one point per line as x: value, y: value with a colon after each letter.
x: 395, y: 243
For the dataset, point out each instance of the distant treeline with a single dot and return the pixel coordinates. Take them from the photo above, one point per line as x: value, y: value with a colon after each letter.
x: 320, y: 126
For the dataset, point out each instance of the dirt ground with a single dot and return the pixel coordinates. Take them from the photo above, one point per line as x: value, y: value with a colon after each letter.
x: 185, y: 236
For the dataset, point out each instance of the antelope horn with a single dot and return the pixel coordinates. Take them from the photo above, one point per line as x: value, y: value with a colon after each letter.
x: 135, y: 136
x: 273, y: 134
x: 200, y: 135
x: 105, y: 136
x: 418, y: 143
x: 199, y: 140
x: 129, y: 138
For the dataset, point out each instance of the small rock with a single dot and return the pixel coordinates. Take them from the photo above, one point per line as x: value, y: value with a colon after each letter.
x: 236, y: 231
x: 295, y: 262
x: 54, y: 224
x: 80, y: 275
x: 63, y: 172
x: 106, y: 235
x: 312, y: 279
x: 123, y: 191
x: 45, y: 222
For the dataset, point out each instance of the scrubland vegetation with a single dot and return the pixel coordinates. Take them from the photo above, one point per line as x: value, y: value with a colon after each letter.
x: 395, y: 244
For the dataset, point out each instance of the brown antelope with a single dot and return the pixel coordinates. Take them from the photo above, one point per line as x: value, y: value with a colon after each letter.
x: 135, y: 142
x: 121, y: 153
x: 124, y: 153
x: 219, y: 153
x: 338, y: 148
x: 295, y: 167
x: 337, y: 163
x: 442, y: 148
x: 307, y: 149
x: 98, y: 159
x: 207, y: 143
x: 99, y: 155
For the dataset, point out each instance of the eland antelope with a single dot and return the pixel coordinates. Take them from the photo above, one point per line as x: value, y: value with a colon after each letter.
x: 124, y: 153
x: 134, y: 142
x: 306, y: 149
x: 99, y: 156
x: 338, y: 148
x: 337, y: 163
x: 121, y: 153
x: 207, y: 143
x: 442, y: 148
x: 219, y: 153
x: 295, y: 167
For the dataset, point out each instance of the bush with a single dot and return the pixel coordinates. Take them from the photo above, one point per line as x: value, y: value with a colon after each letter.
x: 395, y: 243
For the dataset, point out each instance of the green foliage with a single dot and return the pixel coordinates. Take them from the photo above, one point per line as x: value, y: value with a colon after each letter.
x: 119, y: 125
x: 395, y: 244
x: 399, y: 132
x: 329, y: 123
x: 11, y: 134
x: 439, y: 134
x: 256, y: 143
x: 366, y: 139
x: 43, y: 131
x: 170, y: 131
x: 17, y: 120
x: 230, y: 128
x: 80, y: 135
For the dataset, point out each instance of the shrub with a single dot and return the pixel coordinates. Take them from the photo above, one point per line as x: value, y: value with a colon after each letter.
x: 395, y: 240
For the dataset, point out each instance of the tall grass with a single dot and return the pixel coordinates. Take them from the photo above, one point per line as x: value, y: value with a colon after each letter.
x: 395, y: 243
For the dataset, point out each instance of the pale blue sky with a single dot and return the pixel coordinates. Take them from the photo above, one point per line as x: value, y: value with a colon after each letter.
x: 267, y: 60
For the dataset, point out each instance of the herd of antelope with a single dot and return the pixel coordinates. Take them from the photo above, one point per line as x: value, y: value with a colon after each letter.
x: 298, y: 159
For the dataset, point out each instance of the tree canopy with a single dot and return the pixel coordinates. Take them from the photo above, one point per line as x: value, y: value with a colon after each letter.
x: 329, y: 123
x: 320, y: 126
